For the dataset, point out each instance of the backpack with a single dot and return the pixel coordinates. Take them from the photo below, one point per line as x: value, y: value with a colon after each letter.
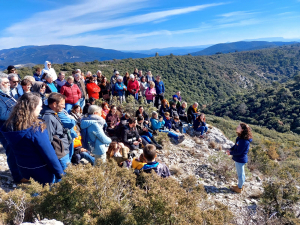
x: 87, y: 143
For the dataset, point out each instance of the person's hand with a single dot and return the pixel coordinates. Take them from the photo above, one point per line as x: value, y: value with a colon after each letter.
x: 121, y: 145
x: 147, y: 123
x: 83, y: 150
x: 140, y: 140
x: 112, y: 127
x: 228, y: 152
x: 136, y: 143
x: 177, y: 131
x: 124, y: 88
x: 161, y: 119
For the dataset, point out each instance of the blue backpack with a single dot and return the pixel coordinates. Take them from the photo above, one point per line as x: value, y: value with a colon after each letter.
x: 87, y: 143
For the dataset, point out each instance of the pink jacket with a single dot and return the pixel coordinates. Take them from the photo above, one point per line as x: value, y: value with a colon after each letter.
x: 149, y: 93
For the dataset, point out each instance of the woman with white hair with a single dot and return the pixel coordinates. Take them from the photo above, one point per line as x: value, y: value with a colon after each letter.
x: 49, y: 70
x: 120, y: 89
x: 95, y: 135
x: 133, y: 87
x: 51, y: 85
x: 72, y: 93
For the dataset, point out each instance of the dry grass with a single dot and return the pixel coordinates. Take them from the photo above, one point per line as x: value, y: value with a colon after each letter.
x: 175, y: 170
x: 212, y: 144
x: 219, y: 147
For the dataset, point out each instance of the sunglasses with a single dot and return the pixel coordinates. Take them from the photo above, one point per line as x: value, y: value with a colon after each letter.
x: 15, y: 82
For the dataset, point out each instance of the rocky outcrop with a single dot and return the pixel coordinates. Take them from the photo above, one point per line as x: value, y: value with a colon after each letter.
x: 44, y: 222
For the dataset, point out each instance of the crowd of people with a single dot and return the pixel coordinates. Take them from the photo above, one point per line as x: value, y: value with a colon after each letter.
x: 49, y: 121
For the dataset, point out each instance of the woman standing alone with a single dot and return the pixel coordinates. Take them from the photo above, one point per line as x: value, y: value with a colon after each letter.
x: 239, y: 152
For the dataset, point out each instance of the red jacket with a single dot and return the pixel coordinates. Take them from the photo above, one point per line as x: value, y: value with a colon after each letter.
x: 72, y: 93
x: 93, y: 90
x: 133, y: 85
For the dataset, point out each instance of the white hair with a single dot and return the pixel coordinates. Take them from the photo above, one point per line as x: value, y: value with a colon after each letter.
x: 88, y: 72
x: 11, y: 75
x: 30, y: 78
x: 2, y: 77
x: 78, y: 70
x: 117, y: 72
x: 99, y: 71
x: 131, y: 76
x: 154, y: 113
x: 93, y: 109
x: 48, y: 75
x: 120, y: 78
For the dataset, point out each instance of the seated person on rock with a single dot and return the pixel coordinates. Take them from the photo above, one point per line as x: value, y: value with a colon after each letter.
x: 142, y: 112
x: 177, y: 124
x: 112, y: 120
x: 182, y: 113
x: 176, y: 101
x: 165, y: 107
x: 145, y: 132
x: 193, y: 112
x: 200, y: 124
x: 138, y: 163
x: 161, y: 169
x: 117, y: 151
x: 130, y: 135
x: 173, y: 110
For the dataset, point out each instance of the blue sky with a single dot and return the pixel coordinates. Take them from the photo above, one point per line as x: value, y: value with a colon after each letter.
x: 145, y: 24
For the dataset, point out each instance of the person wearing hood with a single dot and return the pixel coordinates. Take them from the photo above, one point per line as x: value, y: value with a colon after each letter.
x: 239, y: 152
x: 7, y: 103
x: 119, y: 89
x: 94, y: 124
x: 40, y: 88
x: 49, y: 70
x: 51, y: 85
x: 60, y: 80
x: 72, y: 93
x: 28, y: 137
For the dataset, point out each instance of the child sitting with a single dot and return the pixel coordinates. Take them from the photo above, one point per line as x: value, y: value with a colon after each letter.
x: 173, y: 110
x: 177, y: 124
x: 138, y: 163
x: 80, y: 152
x: 162, y: 170
x: 200, y: 125
x: 168, y: 120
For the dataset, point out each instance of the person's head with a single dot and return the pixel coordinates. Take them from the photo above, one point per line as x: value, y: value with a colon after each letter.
x: 141, y: 109
x: 126, y: 74
x: 90, y: 79
x: 131, y: 122
x: 154, y: 115
x: 132, y: 77
x: 43, y: 88
x: 104, y: 105
x: 99, y: 73
x: 25, y: 113
x: 113, y: 109
x: 184, y: 105
x: 94, y: 77
x: 48, y: 65
x: 195, y: 105
x: 201, y: 117
x: 73, y: 72
x: 173, y: 105
x: 165, y: 102
x: 94, y: 110
x: 104, y: 80
x: 13, y: 80
x: 26, y: 85
x: 158, y: 78
x: 178, y: 93
x: 112, y: 148
x: 119, y: 79
x: 140, y: 73
x: 92, y: 100
x: 76, y: 109
x: 88, y: 74
x: 77, y: 76
x: 152, y: 84
x: 79, y: 71
x: 30, y: 78
x: 136, y: 70
x: 167, y: 115
x: 4, y: 83
x: 149, y: 73
x: 38, y: 71
x: 176, y: 118
x: 127, y: 116
x: 143, y: 79
x: 56, y: 102
x: 70, y: 80
x: 244, y: 131
x: 149, y: 152
x: 11, y: 69
x: 175, y: 98
x: 49, y: 78
x: 61, y: 76
x: 117, y: 73
x: 140, y: 119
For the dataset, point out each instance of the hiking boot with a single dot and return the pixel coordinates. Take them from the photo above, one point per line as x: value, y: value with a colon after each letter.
x: 236, y: 189
x: 236, y: 186
x: 181, y: 139
x: 158, y: 146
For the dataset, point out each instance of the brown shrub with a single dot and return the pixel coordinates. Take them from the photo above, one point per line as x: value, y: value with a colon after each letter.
x: 175, y: 170
x: 271, y: 152
x: 212, y: 144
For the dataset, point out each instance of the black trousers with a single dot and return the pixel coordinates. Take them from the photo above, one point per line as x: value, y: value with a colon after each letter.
x: 158, y: 99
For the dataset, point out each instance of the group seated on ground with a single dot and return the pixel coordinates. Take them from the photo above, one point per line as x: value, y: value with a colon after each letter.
x: 73, y: 128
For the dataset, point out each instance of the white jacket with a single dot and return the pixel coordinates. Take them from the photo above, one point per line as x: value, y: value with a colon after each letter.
x: 49, y: 71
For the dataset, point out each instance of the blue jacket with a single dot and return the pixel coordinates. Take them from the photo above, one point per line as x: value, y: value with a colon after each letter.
x: 95, y: 124
x: 240, y: 150
x: 156, y: 124
x: 168, y: 123
x: 67, y: 122
x: 37, y: 77
x: 119, y: 89
x: 6, y: 105
x: 34, y: 154
x: 160, y: 87
x: 198, y: 123
x: 161, y: 169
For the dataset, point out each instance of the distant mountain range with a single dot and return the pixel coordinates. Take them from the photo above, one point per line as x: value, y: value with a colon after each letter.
x: 239, y: 46
x: 60, y: 54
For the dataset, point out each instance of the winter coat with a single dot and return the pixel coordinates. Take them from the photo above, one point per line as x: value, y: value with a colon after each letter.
x: 240, y: 150
x: 37, y: 77
x: 176, y: 125
x: 144, y: 114
x: 60, y: 84
x: 94, y: 124
x: 130, y: 135
x: 133, y: 85
x: 156, y: 124
x: 149, y: 93
x: 112, y: 120
x: 34, y: 154
x: 93, y: 90
x: 51, y: 87
x: 150, y: 78
x: 173, y: 112
x: 191, y: 111
x: 49, y: 71
x: 140, y: 128
x: 104, y: 89
x: 164, y: 109
x: 168, y: 122
x: 119, y: 89
x: 181, y: 111
x: 161, y: 169
x: 82, y: 88
x: 72, y: 93
x: 198, y: 123
x: 159, y: 87
x: 143, y: 87
x: 6, y: 105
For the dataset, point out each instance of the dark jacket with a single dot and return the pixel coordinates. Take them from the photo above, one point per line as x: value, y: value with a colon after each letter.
x: 173, y: 112
x: 161, y: 169
x: 181, y: 111
x: 240, y: 150
x: 34, y: 154
x: 82, y: 88
x: 86, y: 108
x: 55, y: 128
x: 198, y: 123
x: 37, y: 77
x: 191, y: 111
x: 60, y: 84
x: 140, y: 128
x: 130, y: 135
x: 104, y: 89
x: 168, y: 122
x: 48, y: 89
x: 163, y: 109
x: 145, y: 115
x: 176, y: 125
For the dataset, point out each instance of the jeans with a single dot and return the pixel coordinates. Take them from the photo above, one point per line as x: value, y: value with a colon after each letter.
x: 88, y: 157
x: 202, y: 129
x: 69, y: 106
x: 71, y: 149
x: 170, y: 134
x: 136, y: 96
x: 121, y: 99
x: 11, y: 159
x: 64, y: 162
x: 82, y: 102
x: 240, y: 169
x: 150, y: 101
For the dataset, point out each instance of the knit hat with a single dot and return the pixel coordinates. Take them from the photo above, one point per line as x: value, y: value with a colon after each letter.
x: 175, y: 96
x: 117, y: 72
x: 120, y: 78
x: 131, y: 76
